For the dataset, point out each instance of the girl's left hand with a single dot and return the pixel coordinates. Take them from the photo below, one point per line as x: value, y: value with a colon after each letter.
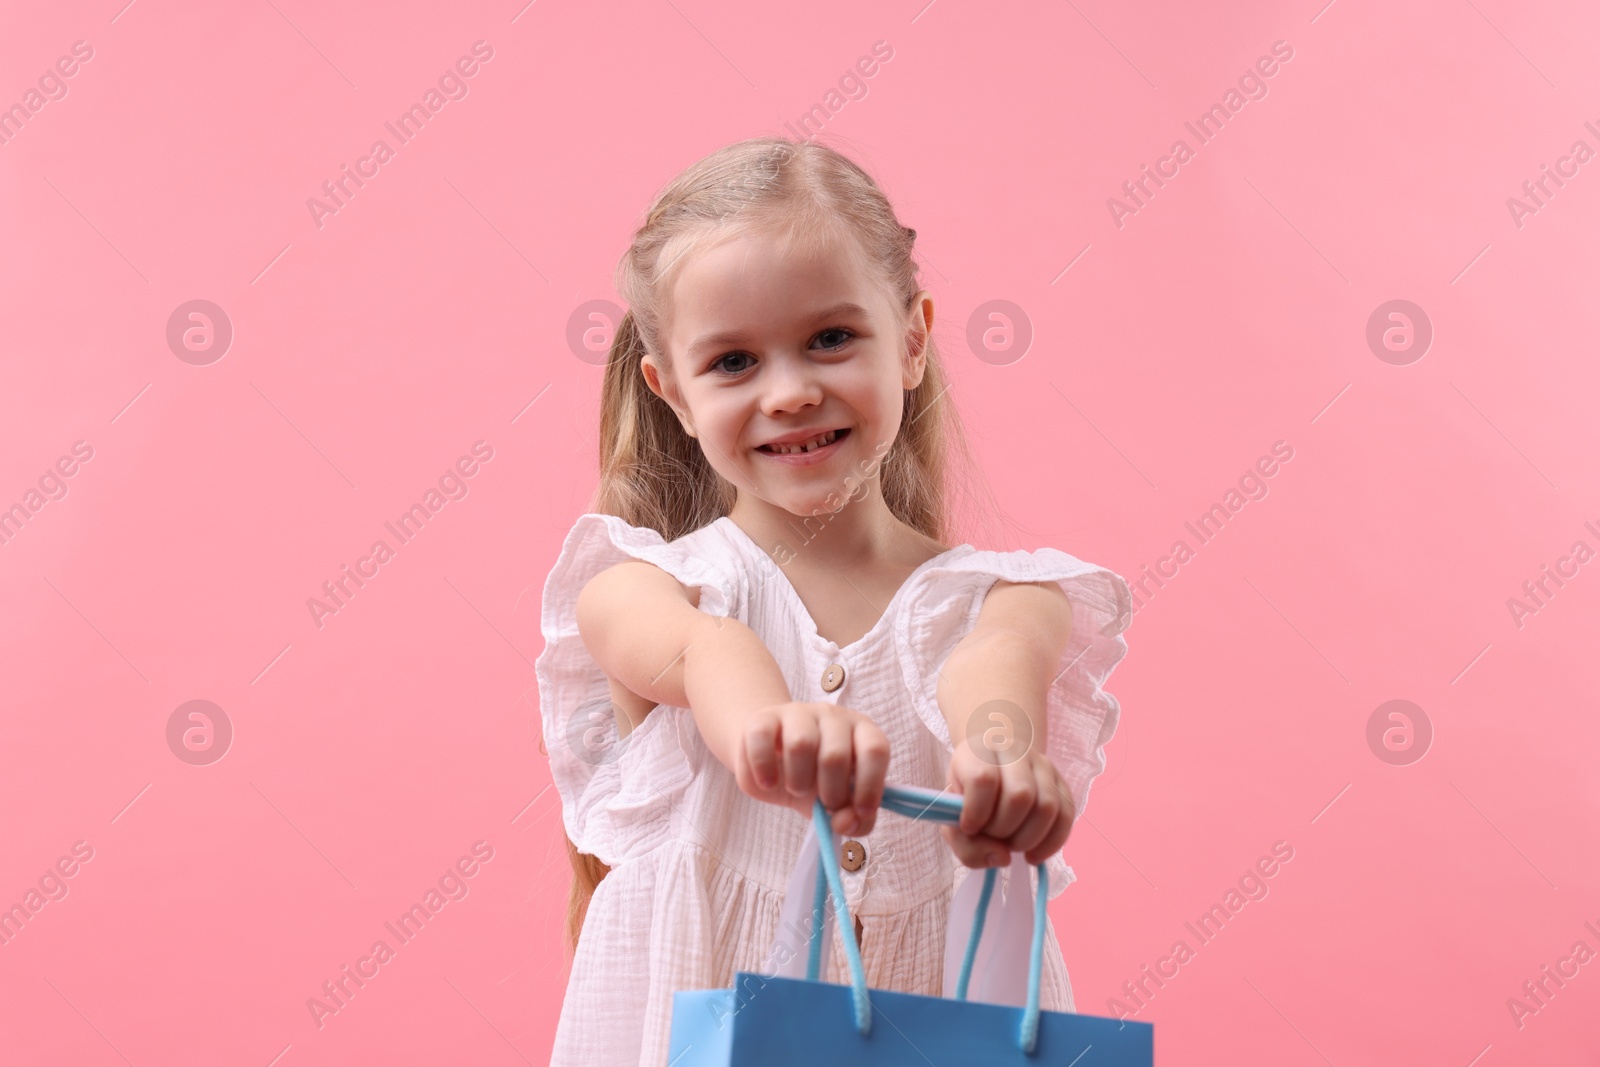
x: 1020, y: 806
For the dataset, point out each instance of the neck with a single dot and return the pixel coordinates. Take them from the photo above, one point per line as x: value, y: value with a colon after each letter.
x: 862, y: 530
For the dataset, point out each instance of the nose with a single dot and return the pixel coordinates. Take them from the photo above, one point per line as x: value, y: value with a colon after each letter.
x: 791, y: 384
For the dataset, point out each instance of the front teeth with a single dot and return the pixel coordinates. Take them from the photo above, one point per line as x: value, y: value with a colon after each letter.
x: 806, y: 446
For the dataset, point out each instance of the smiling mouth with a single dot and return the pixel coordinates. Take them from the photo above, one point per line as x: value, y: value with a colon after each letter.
x: 822, y: 440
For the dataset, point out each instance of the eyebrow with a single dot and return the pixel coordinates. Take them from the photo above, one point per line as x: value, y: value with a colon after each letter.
x: 728, y: 337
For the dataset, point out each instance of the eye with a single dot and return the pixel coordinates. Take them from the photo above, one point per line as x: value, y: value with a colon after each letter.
x: 843, y: 334
x: 718, y: 364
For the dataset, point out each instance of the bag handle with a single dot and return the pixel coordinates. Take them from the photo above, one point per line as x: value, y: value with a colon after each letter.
x: 917, y: 803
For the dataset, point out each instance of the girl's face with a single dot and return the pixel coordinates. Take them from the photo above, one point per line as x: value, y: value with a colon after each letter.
x: 774, y: 350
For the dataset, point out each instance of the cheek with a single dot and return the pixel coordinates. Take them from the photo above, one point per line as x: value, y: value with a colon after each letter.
x: 721, y: 425
x: 881, y: 405
x: 719, y: 419
x: 873, y: 396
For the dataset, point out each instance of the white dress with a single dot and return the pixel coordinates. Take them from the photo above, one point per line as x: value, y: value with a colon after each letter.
x: 699, y: 868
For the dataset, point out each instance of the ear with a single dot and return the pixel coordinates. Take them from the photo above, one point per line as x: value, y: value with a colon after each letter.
x: 667, y: 389
x: 919, y: 327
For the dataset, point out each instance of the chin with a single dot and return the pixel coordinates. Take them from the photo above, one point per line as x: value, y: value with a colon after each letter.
x: 801, y: 504
x: 813, y: 506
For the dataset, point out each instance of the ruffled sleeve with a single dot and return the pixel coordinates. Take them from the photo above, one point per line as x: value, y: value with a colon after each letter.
x: 1081, y: 715
x: 615, y: 794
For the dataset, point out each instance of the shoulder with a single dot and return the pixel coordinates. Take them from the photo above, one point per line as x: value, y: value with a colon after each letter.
x: 1021, y: 589
x: 636, y: 558
x: 1033, y: 608
x: 630, y: 584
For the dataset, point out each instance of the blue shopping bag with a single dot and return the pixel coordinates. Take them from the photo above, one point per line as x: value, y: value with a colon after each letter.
x: 789, y: 1022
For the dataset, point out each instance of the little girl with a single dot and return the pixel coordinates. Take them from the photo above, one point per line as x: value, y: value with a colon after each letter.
x: 761, y: 611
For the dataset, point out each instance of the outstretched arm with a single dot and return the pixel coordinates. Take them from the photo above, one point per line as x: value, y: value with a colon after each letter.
x: 992, y: 692
x: 645, y: 630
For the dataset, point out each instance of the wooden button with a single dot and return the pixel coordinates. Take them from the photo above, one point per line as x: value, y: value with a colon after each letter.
x: 832, y: 678
x: 852, y: 854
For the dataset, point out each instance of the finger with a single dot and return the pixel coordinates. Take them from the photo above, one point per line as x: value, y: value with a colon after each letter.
x: 975, y: 850
x: 834, y: 751
x: 980, y: 786
x: 760, y: 748
x: 1052, y: 843
x: 1039, y: 822
x: 1017, y: 795
x: 872, y: 767
x: 800, y: 740
x: 1061, y: 831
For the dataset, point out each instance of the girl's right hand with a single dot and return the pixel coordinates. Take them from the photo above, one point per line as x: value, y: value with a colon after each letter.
x: 793, y: 753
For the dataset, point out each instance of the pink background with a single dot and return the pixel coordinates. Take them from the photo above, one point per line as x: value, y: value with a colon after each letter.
x: 368, y: 354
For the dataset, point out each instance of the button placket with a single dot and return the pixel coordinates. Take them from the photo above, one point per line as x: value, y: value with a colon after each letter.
x: 835, y: 671
x: 852, y: 850
x: 832, y: 678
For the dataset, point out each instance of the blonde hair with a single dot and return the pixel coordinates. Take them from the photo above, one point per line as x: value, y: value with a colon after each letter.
x: 652, y: 473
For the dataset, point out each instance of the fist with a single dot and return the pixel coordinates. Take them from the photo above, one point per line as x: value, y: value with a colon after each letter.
x: 1022, y: 806
x: 792, y: 754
